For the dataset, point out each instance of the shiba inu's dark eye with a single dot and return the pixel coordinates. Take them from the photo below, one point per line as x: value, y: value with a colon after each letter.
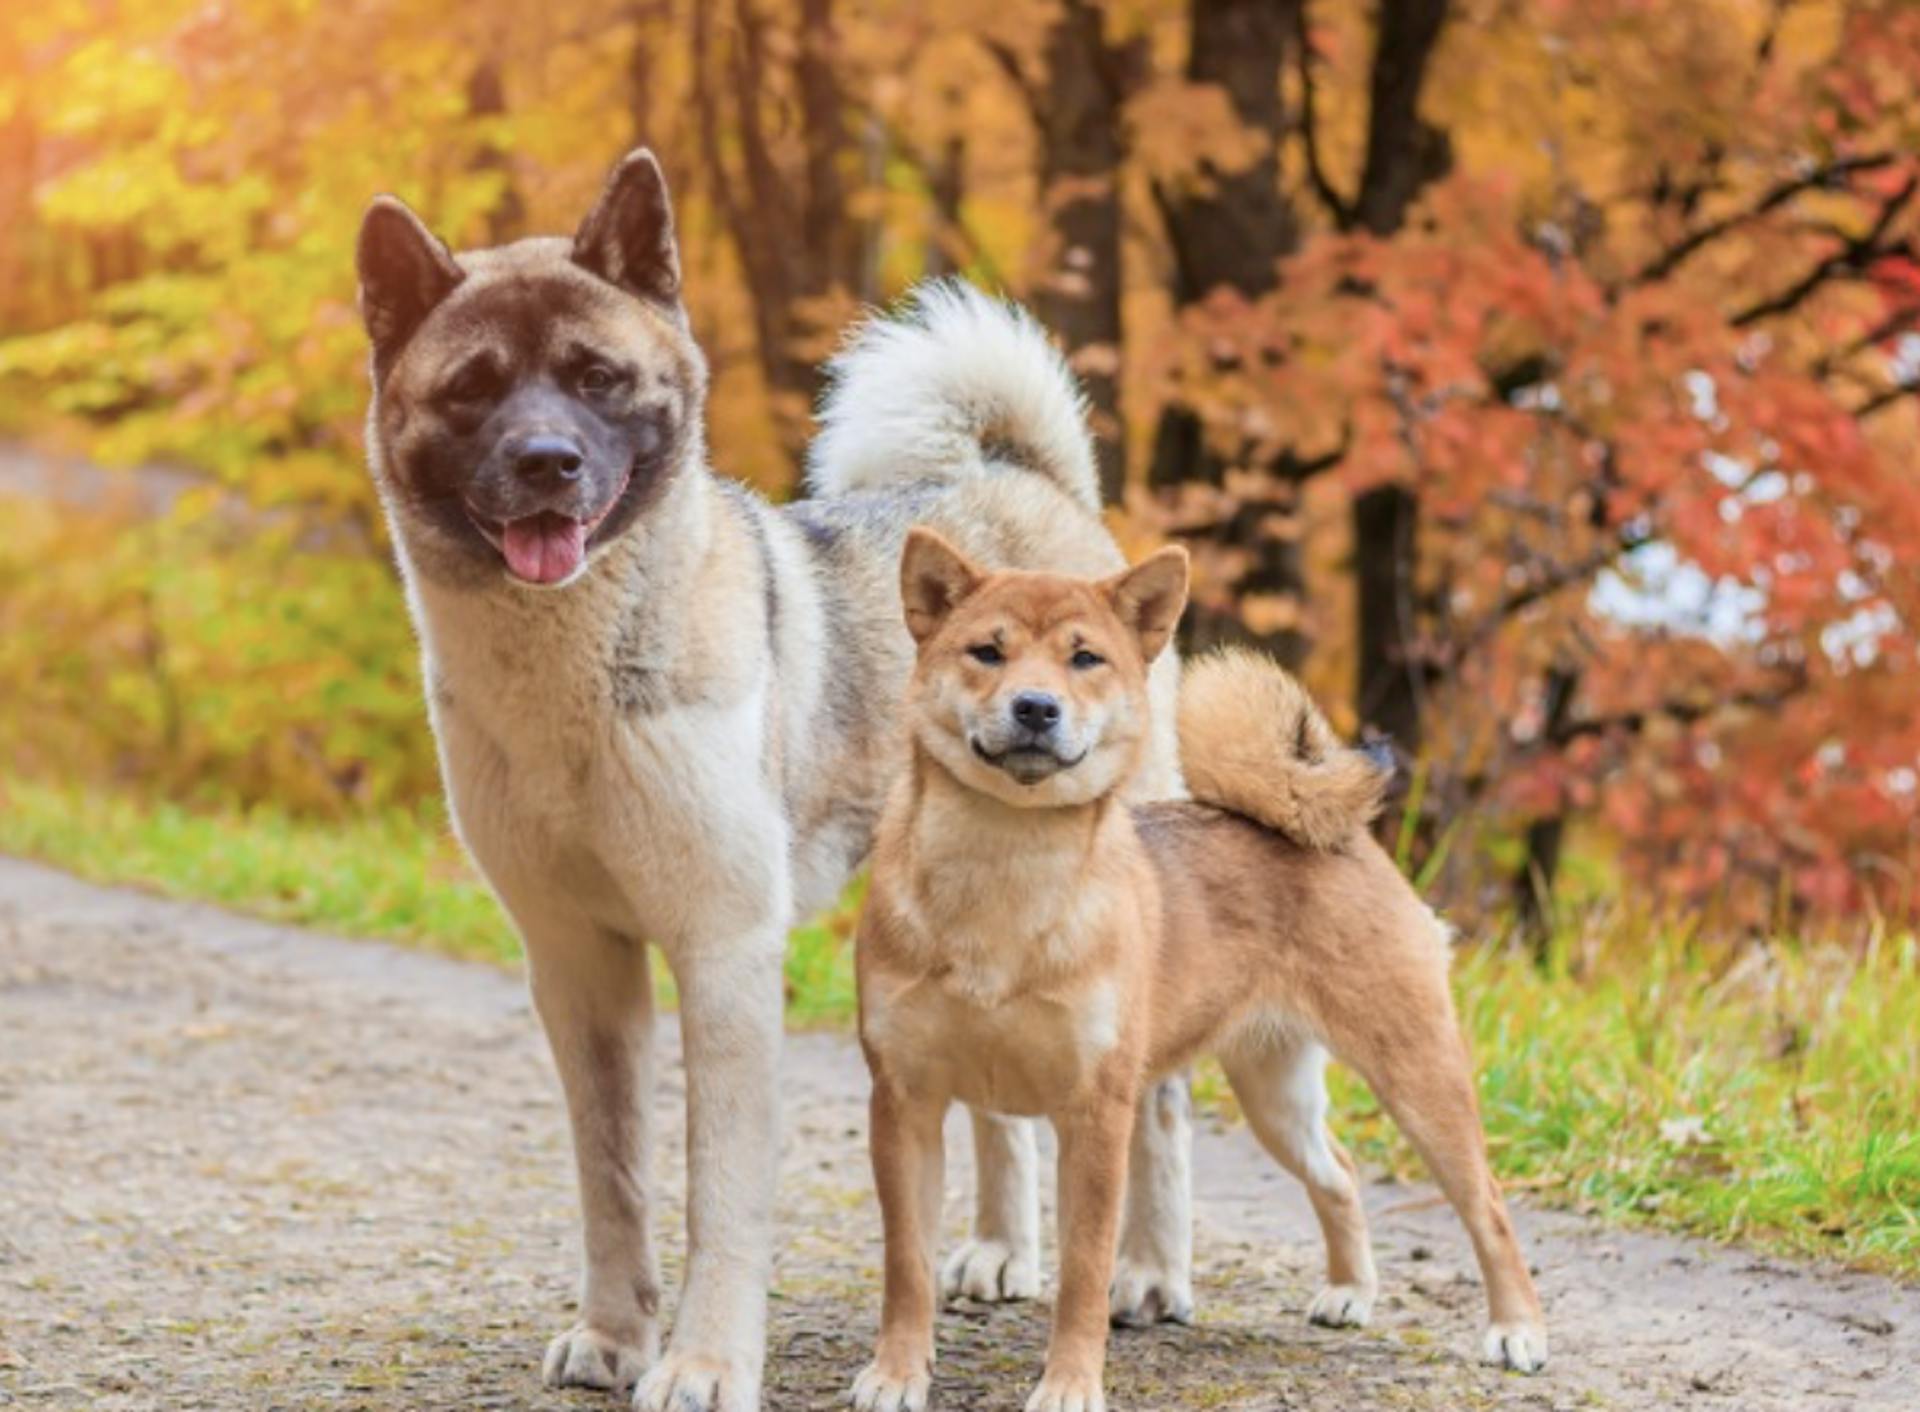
x: 598, y: 378
x: 986, y: 653
x: 1084, y: 660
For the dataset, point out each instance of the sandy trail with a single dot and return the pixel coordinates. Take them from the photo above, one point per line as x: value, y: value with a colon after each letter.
x: 243, y: 1166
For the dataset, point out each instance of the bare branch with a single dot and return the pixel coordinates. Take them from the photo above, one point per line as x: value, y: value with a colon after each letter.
x: 1827, y: 177
x: 1851, y: 258
x: 1337, y: 206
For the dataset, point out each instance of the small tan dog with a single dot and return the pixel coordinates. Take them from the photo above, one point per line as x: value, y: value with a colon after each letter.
x: 1034, y: 945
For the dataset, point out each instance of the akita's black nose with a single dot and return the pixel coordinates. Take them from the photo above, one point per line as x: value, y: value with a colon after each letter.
x: 1036, y: 710
x: 544, y: 459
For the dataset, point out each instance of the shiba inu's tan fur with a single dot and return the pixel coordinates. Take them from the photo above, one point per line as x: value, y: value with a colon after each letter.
x: 1035, y: 944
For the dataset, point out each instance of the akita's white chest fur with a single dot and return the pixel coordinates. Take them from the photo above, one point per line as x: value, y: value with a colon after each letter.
x: 655, y: 825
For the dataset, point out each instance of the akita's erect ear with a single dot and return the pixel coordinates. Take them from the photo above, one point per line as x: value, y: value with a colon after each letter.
x: 627, y: 238
x: 934, y: 579
x: 1150, y: 596
x: 405, y: 271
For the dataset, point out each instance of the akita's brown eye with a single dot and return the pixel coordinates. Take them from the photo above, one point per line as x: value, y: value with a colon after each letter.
x: 1084, y: 660
x: 986, y: 654
x: 472, y: 383
x: 597, y: 379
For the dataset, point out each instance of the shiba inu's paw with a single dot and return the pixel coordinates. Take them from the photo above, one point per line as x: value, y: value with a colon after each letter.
x: 991, y: 1272
x: 697, y: 1382
x: 1068, y: 1392
x: 884, y: 1387
x: 1342, y: 1307
x: 1142, y: 1296
x: 1519, y: 1346
x: 585, y: 1357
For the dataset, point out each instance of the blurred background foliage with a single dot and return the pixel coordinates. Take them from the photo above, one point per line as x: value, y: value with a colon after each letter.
x: 1534, y: 376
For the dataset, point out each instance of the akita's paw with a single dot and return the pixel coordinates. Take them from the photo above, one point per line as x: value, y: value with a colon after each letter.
x: 1519, y: 1345
x: 1342, y: 1307
x: 1068, y: 1392
x: 699, y: 1382
x: 991, y: 1272
x: 585, y: 1357
x: 1143, y: 1295
x: 884, y: 1387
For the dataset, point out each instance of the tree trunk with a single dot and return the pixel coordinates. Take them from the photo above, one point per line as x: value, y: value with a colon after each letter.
x: 487, y: 98
x: 1232, y: 229
x: 1404, y: 154
x: 1078, y: 297
x: 789, y: 228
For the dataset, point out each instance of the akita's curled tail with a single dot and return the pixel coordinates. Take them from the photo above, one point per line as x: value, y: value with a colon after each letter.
x: 1252, y: 742
x: 953, y: 384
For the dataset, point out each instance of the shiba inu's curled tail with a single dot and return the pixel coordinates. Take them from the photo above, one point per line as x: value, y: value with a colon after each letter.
x: 1252, y: 742
x: 954, y: 384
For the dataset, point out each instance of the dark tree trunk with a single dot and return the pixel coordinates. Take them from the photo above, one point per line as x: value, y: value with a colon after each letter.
x: 1404, y: 154
x: 1533, y: 884
x: 1079, y: 117
x: 487, y: 98
x: 790, y: 229
x: 946, y: 183
x: 1232, y: 229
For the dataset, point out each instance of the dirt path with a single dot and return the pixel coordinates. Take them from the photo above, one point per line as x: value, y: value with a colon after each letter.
x: 248, y: 1167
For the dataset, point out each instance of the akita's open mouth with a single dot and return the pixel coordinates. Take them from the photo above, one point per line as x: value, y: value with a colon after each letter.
x: 548, y: 548
x: 1029, y: 763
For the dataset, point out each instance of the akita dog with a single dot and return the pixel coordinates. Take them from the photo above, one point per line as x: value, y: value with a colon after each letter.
x: 667, y: 711
x: 1033, y: 944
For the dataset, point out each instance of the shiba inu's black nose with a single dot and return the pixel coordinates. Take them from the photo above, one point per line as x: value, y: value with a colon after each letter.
x: 545, y: 459
x: 1036, y: 710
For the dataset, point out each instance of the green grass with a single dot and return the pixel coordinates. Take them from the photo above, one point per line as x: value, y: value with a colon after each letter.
x: 397, y: 877
x: 1766, y: 1095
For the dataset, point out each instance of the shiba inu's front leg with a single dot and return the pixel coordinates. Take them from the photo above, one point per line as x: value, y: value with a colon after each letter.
x: 730, y: 1012
x: 595, y: 999
x: 908, y: 1171
x: 1093, y: 1176
x: 1153, y: 1278
x: 1002, y: 1260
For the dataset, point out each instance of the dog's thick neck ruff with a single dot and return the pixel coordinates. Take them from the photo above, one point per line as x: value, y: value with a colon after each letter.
x: 996, y: 894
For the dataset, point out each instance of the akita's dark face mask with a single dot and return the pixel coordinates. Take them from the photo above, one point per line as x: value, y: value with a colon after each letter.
x: 531, y: 401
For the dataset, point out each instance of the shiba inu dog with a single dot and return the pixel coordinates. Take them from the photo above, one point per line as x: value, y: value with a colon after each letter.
x: 1033, y: 943
x: 667, y: 711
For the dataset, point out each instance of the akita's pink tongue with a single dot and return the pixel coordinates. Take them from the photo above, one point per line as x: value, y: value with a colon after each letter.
x: 544, y: 548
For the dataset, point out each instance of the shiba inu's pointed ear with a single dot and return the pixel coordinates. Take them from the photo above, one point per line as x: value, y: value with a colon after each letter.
x: 405, y: 270
x: 934, y: 578
x: 1150, y: 596
x: 627, y: 238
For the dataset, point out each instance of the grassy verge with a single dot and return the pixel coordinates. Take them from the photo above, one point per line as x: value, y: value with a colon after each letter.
x: 1770, y: 1096
x: 396, y: 877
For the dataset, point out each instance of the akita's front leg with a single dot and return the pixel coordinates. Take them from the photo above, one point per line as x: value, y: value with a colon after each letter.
x: 595, y: 998
x: 1002, y: 1259
x: 908, y: 1174
x: 1093, y: 1176
x: 730, y: 1014
x: 1153, y: 1277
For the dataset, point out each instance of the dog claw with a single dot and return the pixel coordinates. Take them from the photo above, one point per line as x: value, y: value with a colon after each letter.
x: 585, y: 1357
x: 1139, y: 1298
x: 990, y: 1272
x: 1519, y: 1346
x: 690, y: 1382
x: 879, y: 1391
x: 1342, y: 1307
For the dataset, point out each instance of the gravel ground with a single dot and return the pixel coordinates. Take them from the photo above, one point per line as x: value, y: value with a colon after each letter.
x: 248, y: 1167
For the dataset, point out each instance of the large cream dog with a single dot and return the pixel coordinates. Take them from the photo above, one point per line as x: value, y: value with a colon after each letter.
x: 1033, y: 944
x: 666, y: 710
